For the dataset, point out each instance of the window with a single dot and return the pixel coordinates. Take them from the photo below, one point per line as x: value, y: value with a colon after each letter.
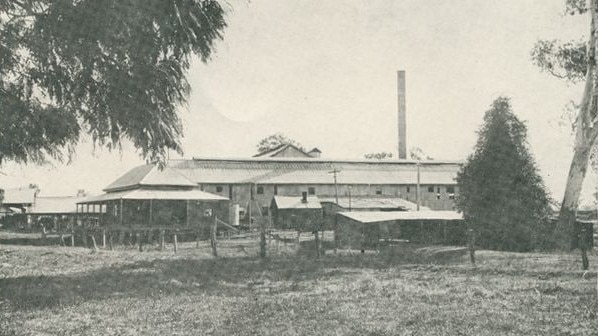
x: 379, y: 191
x: 450, y: 189
x: 311, y: 190
x: 431, y: 189
x: 218, y: 189
x: 260, y: 190
x: 438, y: 190
x: 407, y: 189
x: 275, y: 190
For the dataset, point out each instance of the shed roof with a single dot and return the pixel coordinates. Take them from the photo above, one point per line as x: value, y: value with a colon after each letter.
x: 19, y: 196
x: 385, y: 216
x: 364, y: 202
x: 143, y: 194
x: 55, y: 205
x: 295, y: 202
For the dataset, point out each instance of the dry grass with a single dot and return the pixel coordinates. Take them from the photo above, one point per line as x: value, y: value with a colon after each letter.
x: 73, y: 291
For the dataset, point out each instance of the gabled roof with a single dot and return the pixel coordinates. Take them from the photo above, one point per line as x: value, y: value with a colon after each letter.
x: 190, y: 173
x: 315, y: 171
x: 19, y: 196
x: 150, y: 175
x: 315, y: 150
x: 284, y: 150
x: 295, y: 202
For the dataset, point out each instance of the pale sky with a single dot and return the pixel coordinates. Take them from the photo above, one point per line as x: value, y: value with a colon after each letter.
x: 324, y: 73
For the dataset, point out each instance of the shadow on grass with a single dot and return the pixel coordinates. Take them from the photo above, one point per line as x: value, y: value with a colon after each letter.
x: 48, y: 241
x: 235, y: 276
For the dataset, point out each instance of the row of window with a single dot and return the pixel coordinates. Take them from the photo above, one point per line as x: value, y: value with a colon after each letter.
x: 449, y: 189
x: 312, y: 190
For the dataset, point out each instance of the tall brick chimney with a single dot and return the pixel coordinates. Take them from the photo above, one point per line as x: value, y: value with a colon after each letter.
x: 402, y: 115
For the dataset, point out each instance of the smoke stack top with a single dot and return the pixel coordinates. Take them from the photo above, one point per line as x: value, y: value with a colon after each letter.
x: 402, y: 114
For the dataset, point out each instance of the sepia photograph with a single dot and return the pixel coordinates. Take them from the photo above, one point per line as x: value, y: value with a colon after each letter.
x: 278, y: 167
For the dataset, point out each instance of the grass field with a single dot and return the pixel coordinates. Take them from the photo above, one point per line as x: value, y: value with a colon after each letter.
x: 48, y: 290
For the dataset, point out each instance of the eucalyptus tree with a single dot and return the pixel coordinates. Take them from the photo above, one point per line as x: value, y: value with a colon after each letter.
x: 113, y: 69
x: 575, y: 61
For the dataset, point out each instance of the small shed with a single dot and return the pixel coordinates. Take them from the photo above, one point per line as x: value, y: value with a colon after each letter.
x: 367, y: 229
x: 303, y: 213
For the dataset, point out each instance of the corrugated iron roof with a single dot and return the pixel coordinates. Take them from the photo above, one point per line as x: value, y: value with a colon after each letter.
x: 143, y: 194
x: 361, y: 202
x: 312, y: 171
x: 19, y: 196
x: 385, y: 216
x: 189, y: 173
x: 150, y: 175
x: 274, y: 152
x: 55, y: 205
x: 295, y: 202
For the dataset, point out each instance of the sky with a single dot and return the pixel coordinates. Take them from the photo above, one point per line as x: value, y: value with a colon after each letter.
x: 325, y: 74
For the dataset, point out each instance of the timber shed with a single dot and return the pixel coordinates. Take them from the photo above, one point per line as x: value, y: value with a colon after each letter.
x: 360, y: 230
x: 302, y: 213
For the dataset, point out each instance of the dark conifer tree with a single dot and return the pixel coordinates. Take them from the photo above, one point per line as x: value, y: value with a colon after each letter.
x: 501, y: 194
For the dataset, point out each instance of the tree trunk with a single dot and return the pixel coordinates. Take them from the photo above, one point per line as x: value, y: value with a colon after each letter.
x: 563, y: 232
x: 585, y: 135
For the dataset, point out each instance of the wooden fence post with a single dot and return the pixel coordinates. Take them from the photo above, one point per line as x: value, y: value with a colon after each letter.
x: 93, y: 240
x: 262, y: 238
x: 62, y: 243
x: 582, y: 247
x: 197, y: 234
x: 161, y: 240
x: 213, y: 237
x: 471, y: 243
x: 104, y: 238
x: 84, y: 236
x: 317, y: 242
x: 110, y: 241
x: 444, y: 233
x: 73, y: 237
x: 140, y: 241
x: 176, y: 243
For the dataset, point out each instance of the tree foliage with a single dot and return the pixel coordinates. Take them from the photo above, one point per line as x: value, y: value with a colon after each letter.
x: 272, y: 141
x: 378, y: 155
x: 416, y: 153
x: 501, y: 194
x: 114, y: 69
